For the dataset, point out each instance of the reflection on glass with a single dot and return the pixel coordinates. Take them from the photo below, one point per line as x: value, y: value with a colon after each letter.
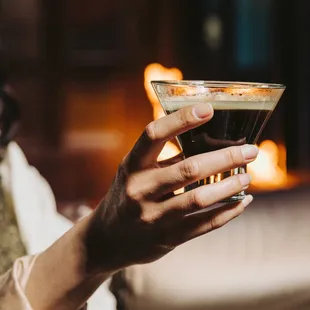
x: 241, y: 111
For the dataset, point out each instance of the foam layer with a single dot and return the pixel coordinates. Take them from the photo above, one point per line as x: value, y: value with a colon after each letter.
x: 172, y: 105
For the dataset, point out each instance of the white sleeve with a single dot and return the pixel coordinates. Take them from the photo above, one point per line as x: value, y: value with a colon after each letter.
x: 58, y: 225
x: 12, y: 285
x: 39, y: 222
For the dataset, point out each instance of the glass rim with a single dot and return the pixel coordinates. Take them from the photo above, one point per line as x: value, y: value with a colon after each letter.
x: 219, y: 84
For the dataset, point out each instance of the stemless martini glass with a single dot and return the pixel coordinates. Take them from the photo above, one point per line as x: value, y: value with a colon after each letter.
x: 241, y: 111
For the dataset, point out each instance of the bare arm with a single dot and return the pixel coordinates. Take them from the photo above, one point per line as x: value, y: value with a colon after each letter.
x: 140, y: 219
x: 60, y: 279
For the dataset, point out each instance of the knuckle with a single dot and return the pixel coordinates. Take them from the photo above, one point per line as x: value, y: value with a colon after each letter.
x: 147, y: 218
x: 151, y: 131
x: 133, y: 193
x: 216, y: 222
x: 236, y: 183
x: 149, y: 214
x: 239, y: 209
x: 189, y: 169
x: 185, y: 118
x: 233, y: 156
x: 196, y: 201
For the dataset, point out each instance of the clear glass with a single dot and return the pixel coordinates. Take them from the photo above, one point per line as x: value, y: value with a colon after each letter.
x: 241, y: 111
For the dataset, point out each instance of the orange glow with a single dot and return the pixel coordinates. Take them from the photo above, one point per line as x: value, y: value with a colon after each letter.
x: 269, y: 169
x: 156, y: 71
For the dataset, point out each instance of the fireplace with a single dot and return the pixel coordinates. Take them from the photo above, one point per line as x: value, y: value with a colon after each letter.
x: 247, y: 41
x: 82, y: 86
x: 269, y: 171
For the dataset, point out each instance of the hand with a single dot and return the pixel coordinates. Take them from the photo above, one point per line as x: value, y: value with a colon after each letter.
x: 141, y: 219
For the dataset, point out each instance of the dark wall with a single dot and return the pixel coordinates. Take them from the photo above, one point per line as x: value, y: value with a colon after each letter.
x: 72, y: 57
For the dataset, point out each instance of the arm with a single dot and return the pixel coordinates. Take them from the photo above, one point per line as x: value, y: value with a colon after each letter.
x: 60, y: 279
x: 140, y: 219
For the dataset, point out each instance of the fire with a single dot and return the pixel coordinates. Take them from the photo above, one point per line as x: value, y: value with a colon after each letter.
x: 269, y: 169
x: 156, y: 71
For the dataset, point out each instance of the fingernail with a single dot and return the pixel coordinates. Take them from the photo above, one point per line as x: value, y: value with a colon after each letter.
x: 249, y: 151
x: 245, y: 180
x: 247, y: 200
x: 202, y: 111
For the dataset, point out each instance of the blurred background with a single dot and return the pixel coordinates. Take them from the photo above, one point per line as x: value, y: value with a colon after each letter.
x: 81, y: 69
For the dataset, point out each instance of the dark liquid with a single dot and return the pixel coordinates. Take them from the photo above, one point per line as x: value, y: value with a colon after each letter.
x: 226, y: 128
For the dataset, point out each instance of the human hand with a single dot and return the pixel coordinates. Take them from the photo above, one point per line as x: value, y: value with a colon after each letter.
x: 141, y: 219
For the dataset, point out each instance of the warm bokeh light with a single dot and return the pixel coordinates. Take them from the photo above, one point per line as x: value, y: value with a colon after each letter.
x: 269, y: 169
x: 156, y: 71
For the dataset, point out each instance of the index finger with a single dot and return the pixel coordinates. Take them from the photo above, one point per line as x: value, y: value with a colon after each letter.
x: 158, y: 132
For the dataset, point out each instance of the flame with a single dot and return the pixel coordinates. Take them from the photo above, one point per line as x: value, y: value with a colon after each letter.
x: 156, y: 71
x: 269, y: 170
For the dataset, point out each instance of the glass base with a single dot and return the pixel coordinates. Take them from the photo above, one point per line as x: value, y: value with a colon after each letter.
x: 219, y: 177
x: 238, y: 197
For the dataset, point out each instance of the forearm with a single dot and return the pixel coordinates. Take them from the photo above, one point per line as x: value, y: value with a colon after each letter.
x: 59, y: 278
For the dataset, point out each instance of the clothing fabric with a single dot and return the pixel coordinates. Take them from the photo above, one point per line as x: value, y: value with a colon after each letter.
x: 39, y: 226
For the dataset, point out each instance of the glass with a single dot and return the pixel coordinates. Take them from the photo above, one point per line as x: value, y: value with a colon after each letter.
x: 241, y: 111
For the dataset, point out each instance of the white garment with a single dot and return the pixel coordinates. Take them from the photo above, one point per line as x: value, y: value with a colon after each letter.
x: 39, y: 223
x: 259, y: 261
x: 13, y: 283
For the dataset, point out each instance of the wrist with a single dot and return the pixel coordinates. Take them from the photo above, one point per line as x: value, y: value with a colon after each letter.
x: 96, y: 242
x: 89, y: 246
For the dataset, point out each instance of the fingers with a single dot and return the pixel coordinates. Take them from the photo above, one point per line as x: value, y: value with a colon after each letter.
x: 203, y: 223
x: 195, y: 225
x: 158, y: 132
x: 201, y: 166
x: 205, y: 196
